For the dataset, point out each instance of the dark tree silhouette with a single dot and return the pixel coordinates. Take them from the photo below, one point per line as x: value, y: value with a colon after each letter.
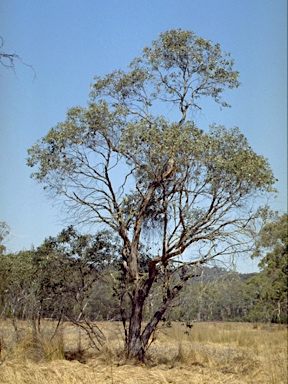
x: 8, y: 60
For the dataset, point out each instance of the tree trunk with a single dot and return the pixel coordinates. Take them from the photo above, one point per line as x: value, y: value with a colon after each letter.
x: 136, y: 344
x: 135, y: 348
x: 138, y: 341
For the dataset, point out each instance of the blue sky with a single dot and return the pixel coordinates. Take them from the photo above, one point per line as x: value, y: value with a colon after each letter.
x: 69, y: 42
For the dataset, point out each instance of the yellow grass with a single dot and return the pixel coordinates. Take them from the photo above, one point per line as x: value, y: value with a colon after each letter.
x: 210, y: 353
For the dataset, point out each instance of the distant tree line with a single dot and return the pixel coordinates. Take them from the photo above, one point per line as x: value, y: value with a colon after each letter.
x: 77, y: 277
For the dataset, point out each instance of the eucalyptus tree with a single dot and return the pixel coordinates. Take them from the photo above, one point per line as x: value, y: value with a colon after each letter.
x: 4, y: 232
x: 269, y: 287
x: 189, y: 194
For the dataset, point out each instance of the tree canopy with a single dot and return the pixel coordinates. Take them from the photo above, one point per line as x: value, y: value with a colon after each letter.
x: 183, y: 191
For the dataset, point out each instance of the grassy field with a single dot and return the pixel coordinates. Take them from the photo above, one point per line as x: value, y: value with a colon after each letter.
x: 209, y: 353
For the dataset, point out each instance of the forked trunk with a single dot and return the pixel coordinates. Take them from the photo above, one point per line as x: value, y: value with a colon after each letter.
x: 138, y: 340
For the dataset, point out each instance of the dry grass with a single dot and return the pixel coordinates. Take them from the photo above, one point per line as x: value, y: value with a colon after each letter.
x: 210, y: 353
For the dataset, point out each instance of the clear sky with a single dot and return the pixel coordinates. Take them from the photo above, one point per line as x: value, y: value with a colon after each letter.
x: 69, y: 42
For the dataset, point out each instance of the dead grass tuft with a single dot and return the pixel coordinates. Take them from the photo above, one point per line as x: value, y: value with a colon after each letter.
x: 211, y: 353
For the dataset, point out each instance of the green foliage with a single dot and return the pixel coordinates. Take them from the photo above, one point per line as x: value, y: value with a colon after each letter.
x: 17, y: 282
x: 269, y: 288
x: 85, y: 259
x: 59, y: 278
x: 179, y: 68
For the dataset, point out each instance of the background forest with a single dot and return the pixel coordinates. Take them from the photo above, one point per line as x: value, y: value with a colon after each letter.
x: 76, y: 277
